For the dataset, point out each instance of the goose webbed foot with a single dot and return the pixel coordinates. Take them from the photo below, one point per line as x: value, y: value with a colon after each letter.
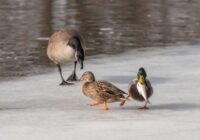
x: 65, y: 83
x: 72, y: 77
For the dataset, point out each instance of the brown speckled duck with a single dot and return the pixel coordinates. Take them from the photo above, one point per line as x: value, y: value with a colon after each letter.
x: 102, y: 92
x: 140, y: 89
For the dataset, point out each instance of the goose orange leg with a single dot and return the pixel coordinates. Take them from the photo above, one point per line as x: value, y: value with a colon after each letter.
x: 105, y: 107
x: 94, y: 103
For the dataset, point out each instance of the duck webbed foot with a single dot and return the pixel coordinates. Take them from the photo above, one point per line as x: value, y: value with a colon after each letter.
x: 105, y: 107
x: 65, y: 83
x: 122, y: 103
x: 144, y: 108
x: 94, y: 103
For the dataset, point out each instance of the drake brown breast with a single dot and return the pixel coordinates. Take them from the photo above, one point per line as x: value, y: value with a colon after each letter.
x: 133, y: 91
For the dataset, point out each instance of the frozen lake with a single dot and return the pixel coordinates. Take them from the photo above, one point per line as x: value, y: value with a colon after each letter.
x: 36, y: 108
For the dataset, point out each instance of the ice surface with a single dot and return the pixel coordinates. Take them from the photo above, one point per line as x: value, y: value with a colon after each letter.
x: 36, y: 108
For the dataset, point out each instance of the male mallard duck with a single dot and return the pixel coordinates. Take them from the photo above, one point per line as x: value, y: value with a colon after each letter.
x: 140, y: 89
x: 63, y: 47
x: 101, y: 91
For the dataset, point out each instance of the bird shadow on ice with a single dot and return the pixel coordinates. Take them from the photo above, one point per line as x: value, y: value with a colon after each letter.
x: 167, y: 106
x: 175, y: 106
x: 127, y: 78
x: 11, y: 108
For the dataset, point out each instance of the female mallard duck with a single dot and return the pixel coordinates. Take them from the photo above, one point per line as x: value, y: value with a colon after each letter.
x: 140, y: 89
x: 63, y: 47
x: 101, y: 91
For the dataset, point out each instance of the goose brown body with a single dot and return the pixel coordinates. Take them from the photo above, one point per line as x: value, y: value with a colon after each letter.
x: 64, y: 47
x: 58, y: 49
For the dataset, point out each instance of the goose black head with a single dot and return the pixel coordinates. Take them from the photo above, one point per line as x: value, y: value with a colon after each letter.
x: 75, y: 43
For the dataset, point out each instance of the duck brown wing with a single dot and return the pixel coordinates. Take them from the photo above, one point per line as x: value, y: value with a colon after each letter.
x: 108, y: 88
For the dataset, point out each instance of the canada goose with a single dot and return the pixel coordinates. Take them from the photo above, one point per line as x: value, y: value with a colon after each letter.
x: 140, y: 89
x: 102, y: 92
x: 63, y: 47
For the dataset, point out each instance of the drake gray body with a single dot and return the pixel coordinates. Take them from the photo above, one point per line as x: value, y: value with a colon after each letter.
x: 65, y: 47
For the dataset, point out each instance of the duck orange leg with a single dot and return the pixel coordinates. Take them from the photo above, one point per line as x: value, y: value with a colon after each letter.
x: 105, y: 107
x: 94, y: 103
x: 123, y: 102
x: 144, y: 107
